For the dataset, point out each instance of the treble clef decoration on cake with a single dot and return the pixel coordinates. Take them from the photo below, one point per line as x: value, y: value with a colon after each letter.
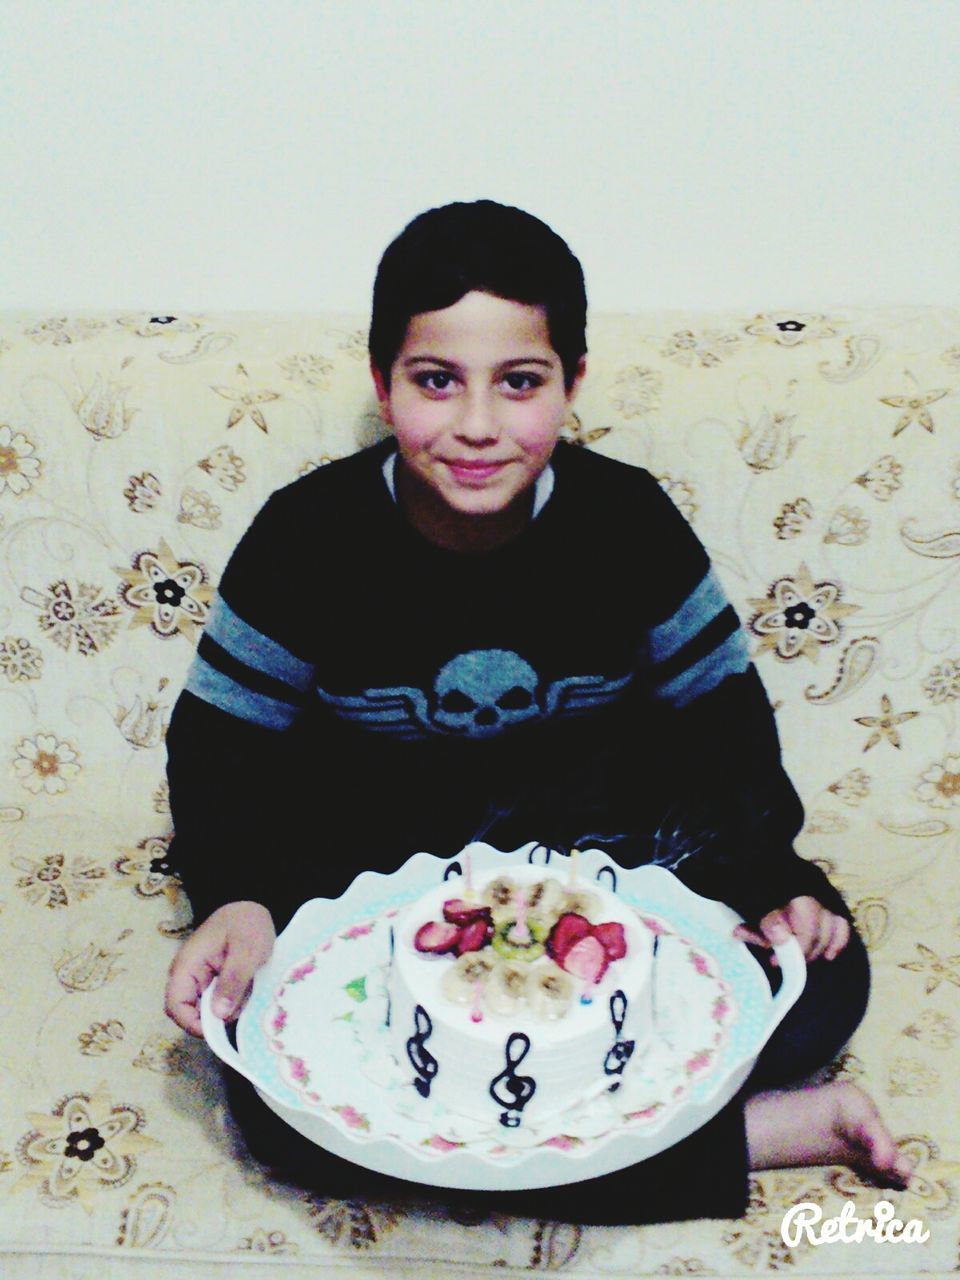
x: 622, y: 1050
x: 389, y: 1012
x: 512, y: 1091
x: 422, y: 1061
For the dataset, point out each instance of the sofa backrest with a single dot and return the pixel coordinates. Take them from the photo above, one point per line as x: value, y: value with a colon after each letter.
x: 816, y: 455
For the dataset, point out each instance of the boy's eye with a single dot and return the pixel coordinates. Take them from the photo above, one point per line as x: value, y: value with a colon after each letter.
x: 517, y: 380
x: 434, y: 379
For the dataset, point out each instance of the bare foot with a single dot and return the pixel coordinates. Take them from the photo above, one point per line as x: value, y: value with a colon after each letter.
x: 827, y: 1124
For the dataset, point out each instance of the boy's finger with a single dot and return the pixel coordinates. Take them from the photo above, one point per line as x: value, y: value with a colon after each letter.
x: 230, y: 992
x: 839, y: 938
x: 233, y: 984
x: 775, y: 928
x: 188, y: 1017
x: 182, y: 995
x: 182, y: 1005
x: 819, y: 938
x: 744, y: 934
x: 806, y: 920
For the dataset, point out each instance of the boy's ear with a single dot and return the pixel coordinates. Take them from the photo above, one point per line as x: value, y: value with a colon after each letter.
x: 383, y: 394
x: 577, y: 379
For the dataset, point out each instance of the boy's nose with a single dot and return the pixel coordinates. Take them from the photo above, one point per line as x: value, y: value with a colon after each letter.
x: 478, y: 420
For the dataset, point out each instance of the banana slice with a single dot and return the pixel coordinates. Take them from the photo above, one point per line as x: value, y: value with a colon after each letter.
x: 549, y: 993
x: 499, y: 895
x: 506, y: 989
x: 581, y: 902
x: 545, y: 898
x: 459, y: 982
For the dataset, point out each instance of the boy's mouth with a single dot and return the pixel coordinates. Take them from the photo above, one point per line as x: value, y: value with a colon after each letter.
x: 472, y: 471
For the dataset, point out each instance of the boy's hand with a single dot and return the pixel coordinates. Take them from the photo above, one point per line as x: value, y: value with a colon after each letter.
x: 234, y: 942
x: 821, y: 933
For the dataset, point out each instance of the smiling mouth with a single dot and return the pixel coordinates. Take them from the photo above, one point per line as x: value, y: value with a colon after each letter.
x: 474, y: 470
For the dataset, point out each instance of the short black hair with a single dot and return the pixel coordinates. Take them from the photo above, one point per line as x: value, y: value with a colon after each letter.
x: 453, y: 250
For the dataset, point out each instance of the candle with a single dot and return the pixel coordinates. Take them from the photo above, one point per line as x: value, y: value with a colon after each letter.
x: 468, y: 875
x: 520, y: 933
x: 574, y: 854
x: 476, y: 1014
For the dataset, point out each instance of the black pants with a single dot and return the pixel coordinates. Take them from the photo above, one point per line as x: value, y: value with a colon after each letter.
x: 703, y: 1176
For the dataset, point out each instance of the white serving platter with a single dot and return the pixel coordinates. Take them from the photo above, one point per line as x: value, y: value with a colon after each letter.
x: 312, y: 1037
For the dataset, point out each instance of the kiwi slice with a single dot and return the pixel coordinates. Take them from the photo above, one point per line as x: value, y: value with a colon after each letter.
x: 505, y: 946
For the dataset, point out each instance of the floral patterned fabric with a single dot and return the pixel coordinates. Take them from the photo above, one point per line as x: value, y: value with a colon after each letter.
x: 817, y: 457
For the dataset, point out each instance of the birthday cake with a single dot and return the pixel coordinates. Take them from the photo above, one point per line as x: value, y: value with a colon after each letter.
x: 517, y: 997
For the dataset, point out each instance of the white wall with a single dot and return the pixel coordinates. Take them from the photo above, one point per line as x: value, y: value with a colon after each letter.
x: 258, y: 154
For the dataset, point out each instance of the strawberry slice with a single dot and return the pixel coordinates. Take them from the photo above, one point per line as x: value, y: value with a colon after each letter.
x: 612, y: 938
x: 460, y: 912
x: 568, y: 930
x: 474, y: 936
x: 436, y: 937
x: 586, y: 960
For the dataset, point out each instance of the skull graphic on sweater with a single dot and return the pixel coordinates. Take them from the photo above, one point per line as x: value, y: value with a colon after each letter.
x: 475, y: 695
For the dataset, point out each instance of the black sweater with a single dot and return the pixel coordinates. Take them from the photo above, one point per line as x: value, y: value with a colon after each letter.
x: 360, y: 694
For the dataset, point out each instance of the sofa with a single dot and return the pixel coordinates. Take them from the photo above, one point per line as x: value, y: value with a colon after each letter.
x: 817, y: 456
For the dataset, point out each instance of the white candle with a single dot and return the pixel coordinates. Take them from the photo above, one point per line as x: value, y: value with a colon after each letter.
x: 468, y: 875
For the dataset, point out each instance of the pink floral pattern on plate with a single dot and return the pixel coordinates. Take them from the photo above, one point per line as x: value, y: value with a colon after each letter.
x: 332, y: 958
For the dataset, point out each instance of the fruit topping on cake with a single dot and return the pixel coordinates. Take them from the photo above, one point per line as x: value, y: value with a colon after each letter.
x: 474, y: 936
x: 521, y: 948
x: 586, y: 949
x: 613, y: 939
x: 569, y: 929
x: 508, y: 941
x: 587, y: 960
x: 499, y: 895
x: 465, y: 927
x: 437, y: 938
x: 581, y: 902
x: 549, y: 993
x: 505, y: 993
x: 461, y: 912
x: 462, y: 978
x: 545, y: 898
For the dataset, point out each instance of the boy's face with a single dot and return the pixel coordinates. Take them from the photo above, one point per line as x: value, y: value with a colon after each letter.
x: 476, y: 402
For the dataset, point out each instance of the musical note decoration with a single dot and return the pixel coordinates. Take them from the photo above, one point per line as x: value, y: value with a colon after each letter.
x: 422, y: 1061
x: 622, y: 1050
x: 610, y: 876
x: 534, y: 861
x: 389, y: 1013
x: 513, y: 1091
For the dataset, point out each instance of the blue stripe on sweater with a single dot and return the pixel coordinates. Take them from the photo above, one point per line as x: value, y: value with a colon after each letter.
x: 206, y: 682
x: 255, y: 649
x: 730, y: 658
x: 701, y: 606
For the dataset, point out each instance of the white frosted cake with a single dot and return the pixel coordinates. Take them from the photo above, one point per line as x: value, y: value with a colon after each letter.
x: 520, y: 998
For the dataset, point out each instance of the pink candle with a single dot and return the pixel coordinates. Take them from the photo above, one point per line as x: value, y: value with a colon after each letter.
x: 476, y: 1014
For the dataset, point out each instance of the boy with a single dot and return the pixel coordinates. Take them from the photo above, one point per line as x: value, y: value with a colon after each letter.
x: 475, y: 664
